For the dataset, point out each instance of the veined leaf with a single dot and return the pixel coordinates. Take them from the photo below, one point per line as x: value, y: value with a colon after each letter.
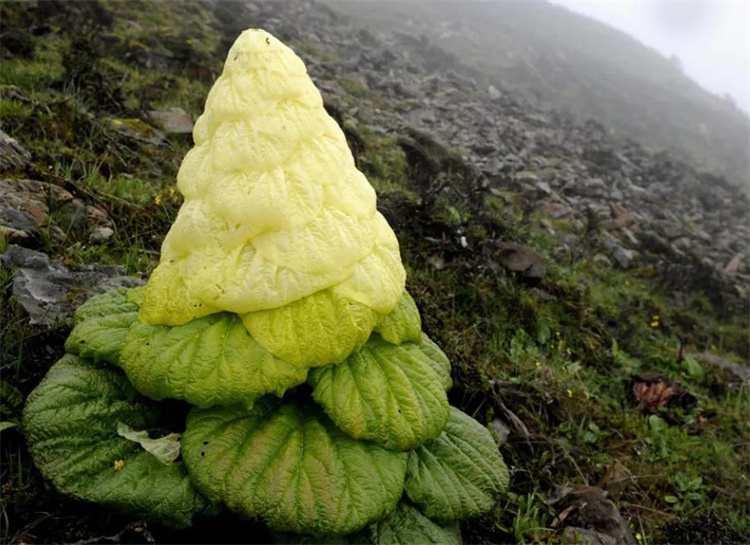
x: 408, y: 526
x: 439, y: 361
x: 71, y: 422
x: 458, y: 475
x: 101, y: 324
x: 209, y: 361
x: 403, y: 323
x: 390, y: 394
x: 318, y: 330
x: 291, y: 467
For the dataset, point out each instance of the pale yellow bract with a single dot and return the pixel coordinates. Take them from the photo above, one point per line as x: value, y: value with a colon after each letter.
x: 275, y: 212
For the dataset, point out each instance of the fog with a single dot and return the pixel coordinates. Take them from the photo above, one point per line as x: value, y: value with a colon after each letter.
x: 711, y: 39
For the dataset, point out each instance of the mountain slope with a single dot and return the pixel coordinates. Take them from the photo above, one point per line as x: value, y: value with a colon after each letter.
x: 576, y: 64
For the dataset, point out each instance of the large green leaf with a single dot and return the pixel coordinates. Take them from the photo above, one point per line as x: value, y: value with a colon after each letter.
x: 291, y: 467
x: 390, y: 394
x: 317, y: 330
x: 101, y: 324
x: 209, y: 361
x: 71, y: 421
x: 439, y: 361
x: 458, y: 475
x: 408, y: 526
x: 403, y: 323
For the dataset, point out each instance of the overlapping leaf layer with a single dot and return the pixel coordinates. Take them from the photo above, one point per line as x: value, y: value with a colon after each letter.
x: 71, y: 422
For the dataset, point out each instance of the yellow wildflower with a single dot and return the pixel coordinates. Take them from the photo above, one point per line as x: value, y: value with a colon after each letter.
x: 119, y: 464
x: 157, y: 199
x: 570, y: 393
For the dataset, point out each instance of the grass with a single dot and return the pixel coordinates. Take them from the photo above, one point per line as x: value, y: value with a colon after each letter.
x: 555, y: 360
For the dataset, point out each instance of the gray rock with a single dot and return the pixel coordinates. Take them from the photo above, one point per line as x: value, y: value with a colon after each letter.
x: 137, y: 129
x: 12, y: 155
x: 593, y: 187
x: 501, y: 430
x: 602, y: 259
x: 173, y: 120
x: 734, y: 264
x: 494, y: 93
x: 25, y: 212
x: 592, y: 516
x: 526, y: 176
x: 50, y: 291
x: 544, y: 188
x: 573, y: 535
x: 740, y: 372
x: 100, y: 235
x: 519, y: 259
x: 623, y: 256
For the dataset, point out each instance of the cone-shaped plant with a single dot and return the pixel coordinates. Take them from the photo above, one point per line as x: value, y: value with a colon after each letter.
x: 277, y: 271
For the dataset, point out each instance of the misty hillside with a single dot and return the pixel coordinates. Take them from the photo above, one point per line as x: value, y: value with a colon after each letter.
x: 573, y: 63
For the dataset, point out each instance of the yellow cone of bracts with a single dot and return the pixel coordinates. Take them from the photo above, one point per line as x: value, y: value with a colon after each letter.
x: 278, y: 224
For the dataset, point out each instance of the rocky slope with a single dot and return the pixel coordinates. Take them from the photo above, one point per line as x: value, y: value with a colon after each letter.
x: 583, y: 67
x: 592, y: 296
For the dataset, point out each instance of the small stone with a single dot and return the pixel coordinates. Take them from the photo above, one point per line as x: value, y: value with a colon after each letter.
x: 173, y: 120
x: 12, y: 155
x: 734, y: 264
x: 526, y: 176
x: 622, y: 217
x: 500, y: 430
x: 137, y: 130
x: 100, y: 235
x: 573, y: 535
x: 593, y: 517
x: 519, y: 259
x: 622, y: 256
x: 494, y: 93
x: 543, y: 188
x: 738, y: 371
x: 49, y: 290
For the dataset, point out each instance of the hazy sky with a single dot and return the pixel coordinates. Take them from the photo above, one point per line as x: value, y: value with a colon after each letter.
x: 711, y: 38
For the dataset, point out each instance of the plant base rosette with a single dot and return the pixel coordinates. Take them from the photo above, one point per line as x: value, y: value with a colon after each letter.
x: 274, y: 364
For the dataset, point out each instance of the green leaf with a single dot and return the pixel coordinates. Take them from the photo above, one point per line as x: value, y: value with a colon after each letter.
x: 403, y: 323
x: 657, y: 423
x: 166, y: 449
x: 439, y: 361
x: 291, y: 467
x: 317, y: 330
x: 7, y: 425
x: 71, y: 422
x: 101, y: 324
x: 209, y: 361
x: 387, y: 393
x: 458, y: 475
x: 408, y: 526
x: 693, y: 369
